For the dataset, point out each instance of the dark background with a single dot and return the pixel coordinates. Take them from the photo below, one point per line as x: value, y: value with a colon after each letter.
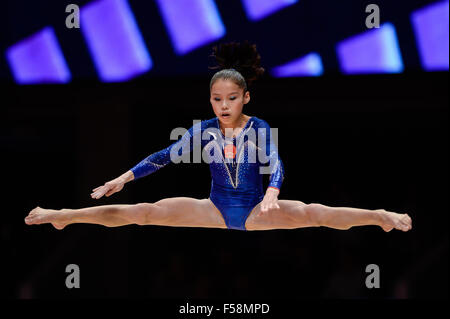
x: 368, y: 141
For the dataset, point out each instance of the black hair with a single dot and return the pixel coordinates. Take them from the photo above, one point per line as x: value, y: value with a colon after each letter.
x: 239, y: 62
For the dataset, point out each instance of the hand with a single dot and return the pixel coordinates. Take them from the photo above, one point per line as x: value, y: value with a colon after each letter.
x: 108, y: 189
x: 270, y: 200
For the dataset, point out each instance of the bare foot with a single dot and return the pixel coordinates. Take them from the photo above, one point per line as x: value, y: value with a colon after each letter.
x: 390, y: 220
x: 40, y: 215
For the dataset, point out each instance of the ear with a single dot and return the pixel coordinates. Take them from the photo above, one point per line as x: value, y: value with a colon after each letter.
x: 246, y: 97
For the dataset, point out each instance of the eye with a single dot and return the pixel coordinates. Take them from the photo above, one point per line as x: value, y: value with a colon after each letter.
x: 216, y: 99
x: 232, y: 98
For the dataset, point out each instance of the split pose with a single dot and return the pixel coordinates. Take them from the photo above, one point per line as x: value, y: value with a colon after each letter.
x: 237, y: 199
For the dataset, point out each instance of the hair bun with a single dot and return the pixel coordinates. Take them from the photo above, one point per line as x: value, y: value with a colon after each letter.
x: 243, y: 57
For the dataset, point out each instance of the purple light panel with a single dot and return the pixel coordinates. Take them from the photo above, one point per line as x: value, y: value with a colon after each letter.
x: 259, y: 9
x: 374, y: 51
x: 114, y: 40
x: 431, y: 29
x: 38, y: 59
x: 191, y: 23
x: 308, y: 65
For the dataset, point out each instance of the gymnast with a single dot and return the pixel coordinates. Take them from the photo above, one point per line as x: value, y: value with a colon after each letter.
x: 237, y: 200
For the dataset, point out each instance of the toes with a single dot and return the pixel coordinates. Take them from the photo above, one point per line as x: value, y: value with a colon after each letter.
x: 405, y: 227
x: 29, y: 220
x: 31, y: 215
x: 404, y: 223
x: 36, y: 220
x: 34, y: 210
x: 407, y: 223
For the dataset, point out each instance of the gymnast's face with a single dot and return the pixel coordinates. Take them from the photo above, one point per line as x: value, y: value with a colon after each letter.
x: 227, y: 100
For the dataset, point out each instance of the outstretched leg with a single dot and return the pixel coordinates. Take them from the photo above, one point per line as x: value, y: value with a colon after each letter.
x: 106, y: 215
x: 176, y: 211
x: 296, y: 214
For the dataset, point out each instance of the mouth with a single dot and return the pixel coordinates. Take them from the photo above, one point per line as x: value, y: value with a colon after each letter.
x: 226, y: 115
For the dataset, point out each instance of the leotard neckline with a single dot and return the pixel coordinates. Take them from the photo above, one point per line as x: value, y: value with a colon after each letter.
x: 243, y: 129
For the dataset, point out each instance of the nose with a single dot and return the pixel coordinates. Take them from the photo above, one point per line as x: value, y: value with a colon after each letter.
x: 224, y: 105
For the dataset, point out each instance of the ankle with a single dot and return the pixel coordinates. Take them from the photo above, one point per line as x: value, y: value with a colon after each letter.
x: 380, y: 216
x: 65, y: 215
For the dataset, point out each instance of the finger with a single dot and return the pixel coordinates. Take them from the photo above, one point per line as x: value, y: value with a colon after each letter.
x: 98, y: 188
x: 99, y: 194
x: 96, y: 193
x: 102, y: 192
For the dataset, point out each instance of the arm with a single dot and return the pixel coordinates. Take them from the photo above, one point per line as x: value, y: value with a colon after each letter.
x: 178, y: 150
x: 276, y: 173
x: 148, y: 165
x: 275, y: 163
x: 126, y: 177
x: 151, y: 163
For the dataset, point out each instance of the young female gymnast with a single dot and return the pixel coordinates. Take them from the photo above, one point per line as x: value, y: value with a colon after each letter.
x: 237, y: 200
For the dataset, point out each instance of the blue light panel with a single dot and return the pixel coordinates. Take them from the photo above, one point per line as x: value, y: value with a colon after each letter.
x: 191, y: 23
x: 259, y: 9
x: 374, y: 51
x: 431, y: 29
x: 38, y: 59
x: 308, y: 65
x: 114, y: 40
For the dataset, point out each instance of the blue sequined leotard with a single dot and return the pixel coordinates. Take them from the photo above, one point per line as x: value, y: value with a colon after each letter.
x: 236, y: 164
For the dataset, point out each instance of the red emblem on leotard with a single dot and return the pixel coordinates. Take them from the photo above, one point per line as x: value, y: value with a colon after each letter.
x: 230, y: 151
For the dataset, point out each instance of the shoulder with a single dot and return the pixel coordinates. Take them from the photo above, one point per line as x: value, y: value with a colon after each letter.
x: 259, y: 122
x: 209, y: 123
x: 201, y: 125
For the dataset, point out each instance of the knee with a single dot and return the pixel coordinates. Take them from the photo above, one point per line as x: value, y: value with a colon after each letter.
x: 142, y: 213
x: 316, y: 213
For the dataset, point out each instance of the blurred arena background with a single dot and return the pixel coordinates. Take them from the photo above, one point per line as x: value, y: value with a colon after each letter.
x: 362, y: 116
